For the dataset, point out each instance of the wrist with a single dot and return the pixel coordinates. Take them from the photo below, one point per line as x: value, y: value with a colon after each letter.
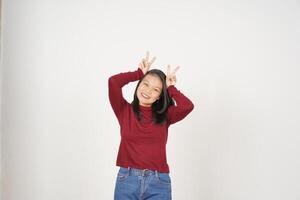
x: 141, y: 72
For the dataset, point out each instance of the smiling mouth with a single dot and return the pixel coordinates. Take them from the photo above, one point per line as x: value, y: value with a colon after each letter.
x: 145, y: 96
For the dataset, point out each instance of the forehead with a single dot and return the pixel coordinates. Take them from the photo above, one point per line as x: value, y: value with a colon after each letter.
x: 153, y: 80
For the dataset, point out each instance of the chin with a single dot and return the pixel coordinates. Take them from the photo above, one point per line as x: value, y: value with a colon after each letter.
x: 145, y: 103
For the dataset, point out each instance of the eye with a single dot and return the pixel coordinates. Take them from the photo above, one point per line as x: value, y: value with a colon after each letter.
x: 145, y: 84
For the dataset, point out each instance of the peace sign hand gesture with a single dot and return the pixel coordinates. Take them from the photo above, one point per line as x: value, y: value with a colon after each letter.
x: 171, y: 77
x: 145, y: 64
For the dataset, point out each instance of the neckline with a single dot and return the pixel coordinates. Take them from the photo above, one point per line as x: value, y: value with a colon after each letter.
x: 145, y: 107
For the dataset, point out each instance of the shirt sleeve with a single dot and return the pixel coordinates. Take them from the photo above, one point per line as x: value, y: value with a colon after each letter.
x: 182, y: 108
x: 115, y: 84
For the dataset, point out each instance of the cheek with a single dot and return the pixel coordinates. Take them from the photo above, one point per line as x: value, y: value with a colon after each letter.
x: 139, y: 89
x: 157, y: 95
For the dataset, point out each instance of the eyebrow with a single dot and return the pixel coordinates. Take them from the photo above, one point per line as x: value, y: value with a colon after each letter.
x: 148, y: 82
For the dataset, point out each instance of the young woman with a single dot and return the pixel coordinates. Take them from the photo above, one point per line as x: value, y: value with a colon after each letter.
x: 144, y: 123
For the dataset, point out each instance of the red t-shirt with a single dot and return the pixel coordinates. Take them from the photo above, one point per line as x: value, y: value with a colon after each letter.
x: 143, y: 143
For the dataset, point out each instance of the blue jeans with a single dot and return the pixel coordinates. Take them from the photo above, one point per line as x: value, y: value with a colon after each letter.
x: 138, y: 184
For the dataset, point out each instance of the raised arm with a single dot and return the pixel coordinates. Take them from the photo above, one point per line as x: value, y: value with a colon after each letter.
x: 182, y: 108
x: 183, y: 104
x: 115, y: 84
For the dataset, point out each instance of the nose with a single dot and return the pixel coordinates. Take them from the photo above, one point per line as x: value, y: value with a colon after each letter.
x: 148, y: 91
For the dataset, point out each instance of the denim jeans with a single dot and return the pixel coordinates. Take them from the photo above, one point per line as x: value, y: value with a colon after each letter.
x: 138, y: 184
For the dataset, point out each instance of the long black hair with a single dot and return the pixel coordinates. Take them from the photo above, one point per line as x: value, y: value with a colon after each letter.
x: 159, y: 107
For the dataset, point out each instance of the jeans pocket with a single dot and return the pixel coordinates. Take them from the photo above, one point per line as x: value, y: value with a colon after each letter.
x: 164, y: 178
x: 122, y: 174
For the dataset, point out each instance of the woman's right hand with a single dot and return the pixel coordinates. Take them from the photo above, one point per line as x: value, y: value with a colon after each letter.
x: 145, y: 64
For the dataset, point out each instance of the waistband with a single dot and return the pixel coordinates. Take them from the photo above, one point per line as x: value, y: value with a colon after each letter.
x: 140, y: 172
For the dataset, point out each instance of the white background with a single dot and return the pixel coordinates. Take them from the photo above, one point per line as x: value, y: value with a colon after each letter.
x: 239, y: 65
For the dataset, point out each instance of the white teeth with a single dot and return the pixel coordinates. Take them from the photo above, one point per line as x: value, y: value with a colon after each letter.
x: 145, y: 96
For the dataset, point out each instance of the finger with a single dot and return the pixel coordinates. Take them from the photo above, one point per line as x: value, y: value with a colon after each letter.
x: 168, y: 70
x: 176, y: 69
x: 147, y: 55
x: 144, y: 62
x: 153, y: 59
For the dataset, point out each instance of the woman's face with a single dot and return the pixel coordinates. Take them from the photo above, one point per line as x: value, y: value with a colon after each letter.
x: 149, y: 90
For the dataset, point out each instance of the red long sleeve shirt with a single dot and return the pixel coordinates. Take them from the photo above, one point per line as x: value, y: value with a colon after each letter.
x: 143, y: 143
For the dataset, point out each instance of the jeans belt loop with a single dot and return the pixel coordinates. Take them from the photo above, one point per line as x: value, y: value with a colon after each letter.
x: 128, y: 168
x: 143, y: 172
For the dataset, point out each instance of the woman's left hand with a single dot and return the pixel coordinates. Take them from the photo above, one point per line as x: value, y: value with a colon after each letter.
x: 171, y: 77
